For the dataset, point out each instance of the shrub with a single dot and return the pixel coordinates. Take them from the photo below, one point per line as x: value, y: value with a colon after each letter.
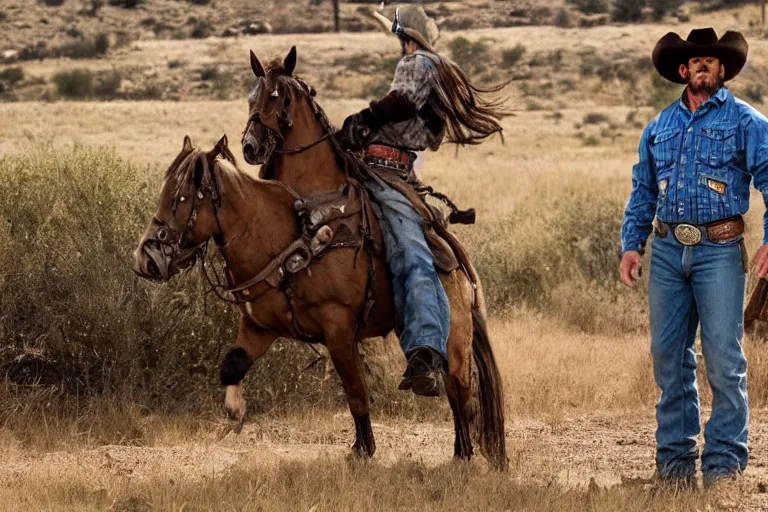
x: 85, y: 48
x: 663, y: 92
x: 201, y: 30
x: 512, y: 56
x: 12, y: 76
x: 126, y: 4
x: 468, y: 54
x: 595, y: 118
x: 74, y: 84
x: 628, y: 10
x: 108, y: 85
x: 755, y: 92
x: 563, y: 18
x: 660, y: 8
x: 53, y: 3
x: 209, y: 73
x: 591, y: 140
x: 592, y: 6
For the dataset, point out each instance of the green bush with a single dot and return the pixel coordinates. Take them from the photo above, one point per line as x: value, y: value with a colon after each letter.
x: 595, y: 118
x: 591, y: 6
x: 511, y: 56
x: 470, y: 55
x: 81, y: 83
x: 12, y: 76
x: 126, y: 4
x: 563, y: 18
x: 85, y: 48
x: 628, y: 10
x: 661, y: 8
x: 74, y: 84
x: 663, y: 92
x: 108, y: 85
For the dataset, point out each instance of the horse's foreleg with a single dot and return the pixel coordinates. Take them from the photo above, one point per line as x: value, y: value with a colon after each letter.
x: 252, y: 343
x: 342, y: 347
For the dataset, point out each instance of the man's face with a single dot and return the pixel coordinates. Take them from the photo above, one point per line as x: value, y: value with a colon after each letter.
x: 704, y: 74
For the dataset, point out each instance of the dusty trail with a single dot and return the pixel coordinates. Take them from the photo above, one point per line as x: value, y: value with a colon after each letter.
x: 603, y: 450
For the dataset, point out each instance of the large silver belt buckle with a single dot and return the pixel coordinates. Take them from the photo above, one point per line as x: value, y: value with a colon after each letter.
x: 687, y: 234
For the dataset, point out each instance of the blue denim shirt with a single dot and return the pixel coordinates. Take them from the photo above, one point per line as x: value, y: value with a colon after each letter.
x: 696, y: 168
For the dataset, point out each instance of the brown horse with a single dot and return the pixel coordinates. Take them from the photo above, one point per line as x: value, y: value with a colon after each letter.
x: 252, y: 221
x: 289, y: 134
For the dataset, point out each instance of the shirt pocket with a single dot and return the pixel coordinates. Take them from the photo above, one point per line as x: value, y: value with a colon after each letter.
x: 665, y: 146
x: 664, y: 181
x: 717, y: 146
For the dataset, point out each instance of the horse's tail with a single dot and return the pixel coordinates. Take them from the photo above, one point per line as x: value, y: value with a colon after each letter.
x: 489, y: 395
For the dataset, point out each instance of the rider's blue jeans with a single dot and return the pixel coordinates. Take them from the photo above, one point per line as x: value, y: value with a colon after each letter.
x: 421, y: 304
x: 691, y: 285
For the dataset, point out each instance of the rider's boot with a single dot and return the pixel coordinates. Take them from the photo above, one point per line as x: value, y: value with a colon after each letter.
x: 425, y: 373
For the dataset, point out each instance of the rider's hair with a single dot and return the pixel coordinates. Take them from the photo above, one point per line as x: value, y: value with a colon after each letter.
x: 470, y: 115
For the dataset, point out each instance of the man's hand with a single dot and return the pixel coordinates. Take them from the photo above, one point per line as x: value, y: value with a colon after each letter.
x: 631, y: 266
x: 761, y: 261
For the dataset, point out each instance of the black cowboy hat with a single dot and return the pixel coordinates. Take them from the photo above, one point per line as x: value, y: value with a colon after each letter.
x: 671, y: 51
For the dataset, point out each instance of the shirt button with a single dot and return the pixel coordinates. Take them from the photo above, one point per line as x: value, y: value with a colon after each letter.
x: 682, y: 160
x: 690, y: 129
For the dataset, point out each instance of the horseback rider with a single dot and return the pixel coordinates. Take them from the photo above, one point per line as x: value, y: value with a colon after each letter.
x: 430, y: 98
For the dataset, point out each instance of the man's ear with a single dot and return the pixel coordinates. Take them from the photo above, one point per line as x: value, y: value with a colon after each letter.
x: 722, y: 70
x: 683, y: 70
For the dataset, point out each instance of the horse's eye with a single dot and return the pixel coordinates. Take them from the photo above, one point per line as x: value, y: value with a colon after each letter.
x: 162, y: 234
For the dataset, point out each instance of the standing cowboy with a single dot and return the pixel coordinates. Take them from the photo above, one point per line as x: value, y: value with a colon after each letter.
x: 429, y: 98
x: 697, y: 159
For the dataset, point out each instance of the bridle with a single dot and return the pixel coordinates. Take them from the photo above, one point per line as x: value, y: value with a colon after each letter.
x: 172, y: 243
x: 257, y: 116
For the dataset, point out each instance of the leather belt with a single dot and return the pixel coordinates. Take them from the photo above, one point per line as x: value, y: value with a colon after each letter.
x: 692, y: 234
x: 388, y: 153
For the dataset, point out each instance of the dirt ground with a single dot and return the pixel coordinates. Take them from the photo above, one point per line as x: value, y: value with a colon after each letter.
x: 597, y: 452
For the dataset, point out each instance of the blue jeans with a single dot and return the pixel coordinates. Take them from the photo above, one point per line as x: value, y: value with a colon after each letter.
x: 421, y: 304
x: 691, y: 285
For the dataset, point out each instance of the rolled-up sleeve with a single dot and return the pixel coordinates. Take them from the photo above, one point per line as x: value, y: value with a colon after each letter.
x: 641, y: 208
x: 756, y: 156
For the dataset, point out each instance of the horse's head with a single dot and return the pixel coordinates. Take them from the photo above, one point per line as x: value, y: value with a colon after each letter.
x: 186, y: 214
x: 272, y: 107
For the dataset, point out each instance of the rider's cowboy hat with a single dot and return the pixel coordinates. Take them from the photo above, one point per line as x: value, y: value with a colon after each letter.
x: 672, y: 50
x: 411, y: 21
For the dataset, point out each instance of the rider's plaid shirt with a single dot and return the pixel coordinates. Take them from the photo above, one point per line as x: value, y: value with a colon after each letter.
x: 415, y: 77
x: 696, y: 168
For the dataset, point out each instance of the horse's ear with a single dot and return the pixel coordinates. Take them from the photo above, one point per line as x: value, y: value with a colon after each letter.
x: 290, y: 61
x: 221, y: 147
x: 187, y: 144
x: 222, y: 144
x: 256, y: 66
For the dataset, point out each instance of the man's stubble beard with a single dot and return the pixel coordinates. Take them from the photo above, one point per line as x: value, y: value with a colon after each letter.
x: 706, y: 89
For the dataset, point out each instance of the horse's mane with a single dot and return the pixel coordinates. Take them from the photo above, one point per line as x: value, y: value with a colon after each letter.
x: 225, y: 170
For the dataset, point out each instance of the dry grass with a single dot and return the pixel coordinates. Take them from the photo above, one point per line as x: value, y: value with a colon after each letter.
x: 328, y: 484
